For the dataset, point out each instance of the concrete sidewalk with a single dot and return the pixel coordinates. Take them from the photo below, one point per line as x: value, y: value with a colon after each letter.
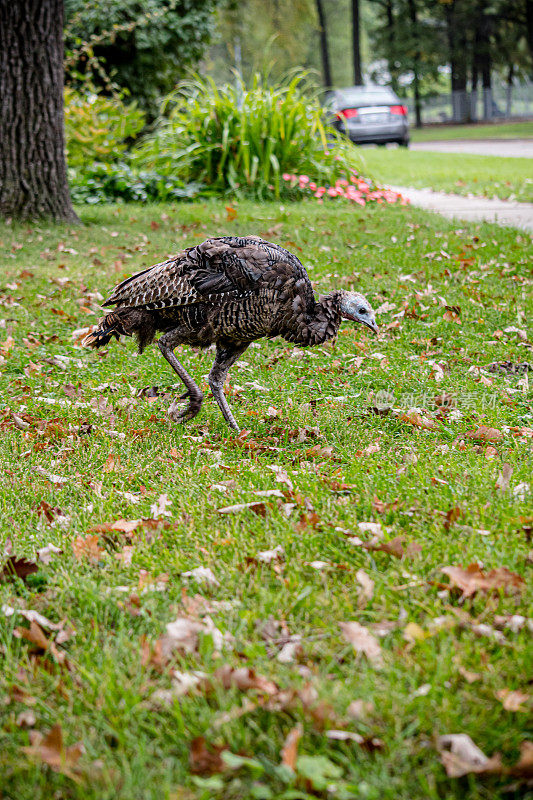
x: 506, y: 148
x: 477, y: 209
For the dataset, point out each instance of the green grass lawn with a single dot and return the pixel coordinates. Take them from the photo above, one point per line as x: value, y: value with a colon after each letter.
x: 83, y: 449
x: 504, y: 130
x: 487, y: 176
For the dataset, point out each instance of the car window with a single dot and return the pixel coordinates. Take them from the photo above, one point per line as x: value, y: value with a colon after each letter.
x: 365, y: 95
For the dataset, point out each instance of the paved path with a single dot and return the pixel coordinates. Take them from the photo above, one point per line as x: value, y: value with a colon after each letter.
x: 453, y: 206
x: 510, y: 148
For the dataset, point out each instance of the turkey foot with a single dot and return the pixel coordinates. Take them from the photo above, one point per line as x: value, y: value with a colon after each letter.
x: 180, y: 412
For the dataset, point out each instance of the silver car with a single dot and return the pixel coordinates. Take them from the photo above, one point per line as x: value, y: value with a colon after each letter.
x: 369, y: 114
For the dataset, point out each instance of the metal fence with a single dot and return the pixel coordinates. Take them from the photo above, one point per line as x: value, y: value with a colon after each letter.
x: 500, y: 102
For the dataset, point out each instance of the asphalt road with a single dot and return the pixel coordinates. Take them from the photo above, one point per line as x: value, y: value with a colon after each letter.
x: 509, y: 148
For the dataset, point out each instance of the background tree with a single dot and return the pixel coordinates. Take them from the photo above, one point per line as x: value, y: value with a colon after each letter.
x: 324, y: 50
x: 356, y: 43
x: 33, y: 180
x: 143, y: 46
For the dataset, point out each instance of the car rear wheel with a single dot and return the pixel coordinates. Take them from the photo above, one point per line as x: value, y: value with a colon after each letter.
x: 404, y: 142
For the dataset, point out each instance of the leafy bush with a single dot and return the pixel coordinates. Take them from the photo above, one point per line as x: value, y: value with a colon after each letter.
x: 242, y: 140
x: 110, y: 183
x: 97, y: 127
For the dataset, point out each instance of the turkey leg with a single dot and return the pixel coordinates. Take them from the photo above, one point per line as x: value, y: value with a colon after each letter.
x: 227, y: 354
x: 177, y: 412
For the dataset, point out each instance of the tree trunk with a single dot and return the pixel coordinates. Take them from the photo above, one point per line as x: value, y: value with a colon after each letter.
x: 457, y: 54
x: 356, y: 44
x: 416, y: 64
x: 509, y: 91
x: 390, y: 39
x: 529, y: 25
x: 324, y: 44
x: 33, y: 177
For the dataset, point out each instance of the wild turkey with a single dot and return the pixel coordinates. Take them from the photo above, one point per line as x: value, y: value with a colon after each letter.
x: 228, y: 291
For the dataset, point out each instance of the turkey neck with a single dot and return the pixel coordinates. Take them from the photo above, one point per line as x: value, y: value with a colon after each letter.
x: 315, y: 325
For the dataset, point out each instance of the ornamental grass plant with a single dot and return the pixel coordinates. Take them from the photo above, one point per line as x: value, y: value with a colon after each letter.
x: 239, y: 139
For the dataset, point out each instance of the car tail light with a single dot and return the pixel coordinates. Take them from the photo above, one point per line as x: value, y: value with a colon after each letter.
x: 348, y: 113
x: 401, y: 110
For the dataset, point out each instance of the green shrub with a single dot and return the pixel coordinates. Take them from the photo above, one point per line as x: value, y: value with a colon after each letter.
x: 97, y: 128
x: 242, y: 140
x: 111, y: 183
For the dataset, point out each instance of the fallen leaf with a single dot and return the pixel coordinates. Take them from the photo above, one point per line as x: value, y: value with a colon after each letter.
x: 18, y: 567
x: 231, y: 213
x: 362, y: 641
x: 204, y: 761
x: 485, y: 434
x: 244, y: 679
x: 367, y: 587
x: 258, y: 507
x: 367, y: 742
x: 502, y: 482
x: 201, y: 575
x: 87, y: 548
x: 50, y: 750
x: 159, y: 509
x: 359, y: 709
x: 460, y: 756
x: 268, y: 556
x: 513, y: 700
x: 417, y: 420
x: 473, y: 579
x: 289, y: 751
x: 45, y: 553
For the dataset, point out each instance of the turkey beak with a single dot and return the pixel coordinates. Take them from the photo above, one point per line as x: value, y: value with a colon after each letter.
x: 372, y: 325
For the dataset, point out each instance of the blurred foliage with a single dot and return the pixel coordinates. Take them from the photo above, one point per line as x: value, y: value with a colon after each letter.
x: 98, y: 128
x: 241, y: 140
x: 111, y: 183
x: 143, y: 46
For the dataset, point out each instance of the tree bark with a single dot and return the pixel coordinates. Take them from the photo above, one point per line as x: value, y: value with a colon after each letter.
x: 324, y: 44
x: 416, y: 64
x: 33, y: 177
x: 529, y: 25
x: 389, y: 10
x: 356, y: 44
x: 457, y: 53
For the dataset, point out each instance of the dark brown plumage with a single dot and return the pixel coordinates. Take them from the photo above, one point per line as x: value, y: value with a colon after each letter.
x: 229, y: 291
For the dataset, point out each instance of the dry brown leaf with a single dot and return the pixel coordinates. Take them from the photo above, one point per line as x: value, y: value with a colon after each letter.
x: 51, y: 750
x: 473, y: 579
x: 469, y: 676
x: 367, y: 587
x: 87, y: 548
x: 452, y: 314
x: 485, y: 434
x: 460, y: 756
x: 524, y: 766
x: 382, y: 507
x: 34, y: 634
x: 203, y: 761
x: 504, y: 477
x: 289, y: 751
x: 362, y: 641
x: 258, y: 507
x: 417, y: 420
x: 513, y: 700
x: 245, y: 678
x: 359, y: 709
x: 19, y: 567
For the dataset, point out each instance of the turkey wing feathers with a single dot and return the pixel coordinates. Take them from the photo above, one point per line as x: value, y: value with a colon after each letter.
x: 227, y: 267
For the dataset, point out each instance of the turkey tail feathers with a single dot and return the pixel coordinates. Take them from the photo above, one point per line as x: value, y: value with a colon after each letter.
x: 122, y: 322
x: 108, y: 327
